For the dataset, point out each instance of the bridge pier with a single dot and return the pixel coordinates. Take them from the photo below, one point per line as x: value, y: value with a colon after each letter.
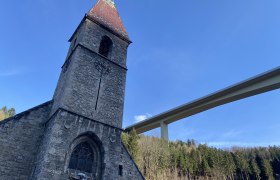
x: 164, y: 131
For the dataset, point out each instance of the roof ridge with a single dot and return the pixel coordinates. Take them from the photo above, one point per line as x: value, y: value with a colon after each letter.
x: 19, y: 115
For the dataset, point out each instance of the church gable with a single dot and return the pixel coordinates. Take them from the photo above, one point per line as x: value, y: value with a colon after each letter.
x: 20, y: 137
x: 67, y: 134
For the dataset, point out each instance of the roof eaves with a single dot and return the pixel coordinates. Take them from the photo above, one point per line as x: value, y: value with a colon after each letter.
x: 20, y: 115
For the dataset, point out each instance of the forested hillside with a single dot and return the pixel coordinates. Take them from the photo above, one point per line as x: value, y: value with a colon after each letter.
x: 6, y: 113
x: 159, y: 159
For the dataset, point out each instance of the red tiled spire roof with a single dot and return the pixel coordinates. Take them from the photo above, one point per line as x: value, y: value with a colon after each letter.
x: 105, y: 13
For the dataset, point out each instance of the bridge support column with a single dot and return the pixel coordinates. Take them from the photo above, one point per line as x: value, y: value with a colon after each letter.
x: 164, y: 131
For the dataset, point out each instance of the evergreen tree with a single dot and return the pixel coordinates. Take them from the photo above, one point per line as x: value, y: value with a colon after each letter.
x: 276, y: 167
x: 268, y: 171
x: 6, y: 113
x: 159, y: 159
x: 265, y: 167
x: 125, y: 137
x: 11, y: 112
x: 255, y: 170
x: 133, y: 146
x: 242, y: 165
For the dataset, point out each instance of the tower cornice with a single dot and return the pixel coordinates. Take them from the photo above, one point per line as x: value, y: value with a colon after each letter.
x: 92, y: 19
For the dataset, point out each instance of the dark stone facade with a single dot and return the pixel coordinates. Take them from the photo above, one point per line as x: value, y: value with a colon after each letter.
x: 34, y: 146
x: 20, y: 137
x: 62, y: 132
x: 87, y: 107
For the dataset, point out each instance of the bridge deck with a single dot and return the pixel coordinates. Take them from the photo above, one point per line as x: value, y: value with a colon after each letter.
x: 262, y: 83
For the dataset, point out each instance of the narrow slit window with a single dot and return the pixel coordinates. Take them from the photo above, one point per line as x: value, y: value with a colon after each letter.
x: 120, y: 170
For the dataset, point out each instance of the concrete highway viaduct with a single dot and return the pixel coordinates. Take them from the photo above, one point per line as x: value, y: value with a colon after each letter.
x: 259, y: 84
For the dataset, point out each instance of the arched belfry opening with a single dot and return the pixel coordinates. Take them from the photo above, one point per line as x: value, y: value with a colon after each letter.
x: 85, y: 158
x: 105, y: 47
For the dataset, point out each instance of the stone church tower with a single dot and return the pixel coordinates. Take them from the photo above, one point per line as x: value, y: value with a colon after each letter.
x: 77, y: 135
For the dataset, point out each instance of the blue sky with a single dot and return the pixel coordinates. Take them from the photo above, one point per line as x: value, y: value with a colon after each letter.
x: 181, y: 50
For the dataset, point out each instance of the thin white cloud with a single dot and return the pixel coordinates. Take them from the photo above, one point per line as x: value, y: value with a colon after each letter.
x: 139, y: 118
x: 232, y: 134
x: 9, y: 73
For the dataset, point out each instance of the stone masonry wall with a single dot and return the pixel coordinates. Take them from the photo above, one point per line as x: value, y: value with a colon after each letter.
x: 131, y: 171
x: 91, y: 84
x: 19, y: 140
x: 92, y: 36
x: 63, y: 129
x: 88, y: 92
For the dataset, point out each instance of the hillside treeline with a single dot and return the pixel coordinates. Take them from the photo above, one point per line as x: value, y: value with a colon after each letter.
x: 6, y: 113
x: 162, y: 160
